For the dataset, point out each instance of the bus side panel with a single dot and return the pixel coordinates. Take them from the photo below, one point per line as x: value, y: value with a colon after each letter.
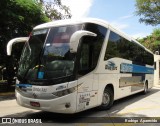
x: 86, y: 100
x: 87, y: 91
x: 127, y: 78
x: 113, y: 79
x: 109, y: 73
x: 149, y: 78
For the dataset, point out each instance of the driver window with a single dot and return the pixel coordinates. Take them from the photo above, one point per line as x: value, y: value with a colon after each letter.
x: 90, y: 48
x: 84, y: 60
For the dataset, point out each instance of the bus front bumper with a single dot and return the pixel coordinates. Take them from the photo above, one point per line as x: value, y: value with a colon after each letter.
x: 64, y: 104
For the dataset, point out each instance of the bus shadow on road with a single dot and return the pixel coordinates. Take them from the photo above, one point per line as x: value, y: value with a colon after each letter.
x: 139, y: 98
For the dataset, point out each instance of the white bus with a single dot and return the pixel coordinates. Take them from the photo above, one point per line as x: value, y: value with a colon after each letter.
x: 70, y: 66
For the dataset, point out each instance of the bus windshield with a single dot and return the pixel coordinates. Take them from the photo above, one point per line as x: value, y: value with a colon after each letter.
x: 46, y: 55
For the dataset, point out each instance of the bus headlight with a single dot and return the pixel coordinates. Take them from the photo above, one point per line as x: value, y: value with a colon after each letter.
x: 65, y: 92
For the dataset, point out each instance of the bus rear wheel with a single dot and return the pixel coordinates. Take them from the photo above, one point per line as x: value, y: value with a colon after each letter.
x: 107, y: 99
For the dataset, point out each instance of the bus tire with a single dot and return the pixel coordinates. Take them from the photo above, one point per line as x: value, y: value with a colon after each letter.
x: 107, y: 99
x: 145, y: 91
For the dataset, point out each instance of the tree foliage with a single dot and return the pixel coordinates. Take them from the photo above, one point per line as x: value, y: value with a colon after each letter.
x: 149, y: 10
x: 18, y: 17
x: 152, y: 41
x: 55, y: 10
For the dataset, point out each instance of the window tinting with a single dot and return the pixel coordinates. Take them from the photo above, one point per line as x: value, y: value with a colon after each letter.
x: 90, y: 48
x: 123, y: 48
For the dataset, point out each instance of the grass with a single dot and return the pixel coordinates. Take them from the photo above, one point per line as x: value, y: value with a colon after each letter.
x: 3, y: 81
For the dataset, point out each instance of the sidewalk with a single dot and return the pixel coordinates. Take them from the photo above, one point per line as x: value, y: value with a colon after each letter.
x: 158, y: 86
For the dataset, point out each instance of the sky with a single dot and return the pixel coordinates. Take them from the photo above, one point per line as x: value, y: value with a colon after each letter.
x: 119, y: 13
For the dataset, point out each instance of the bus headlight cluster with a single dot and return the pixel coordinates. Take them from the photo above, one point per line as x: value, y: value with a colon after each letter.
x: 65, y: 92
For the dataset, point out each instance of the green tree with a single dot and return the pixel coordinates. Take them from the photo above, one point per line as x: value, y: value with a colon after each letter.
x: 55, y: 10
x: 18, y: 17
x: 152, y: 41
x: 149, y: 10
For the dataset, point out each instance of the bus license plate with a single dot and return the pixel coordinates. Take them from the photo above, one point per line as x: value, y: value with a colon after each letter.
x: 35, y: 104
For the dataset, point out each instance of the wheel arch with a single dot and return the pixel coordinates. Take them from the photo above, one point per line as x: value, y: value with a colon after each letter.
x: 146, y: 82
x: 110, y: 86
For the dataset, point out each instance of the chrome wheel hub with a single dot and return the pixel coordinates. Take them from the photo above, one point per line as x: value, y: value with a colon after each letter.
x: 106, y: 99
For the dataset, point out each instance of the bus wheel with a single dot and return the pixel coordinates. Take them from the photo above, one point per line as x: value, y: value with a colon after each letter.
x: 107, y: 99
x: 145, y: 88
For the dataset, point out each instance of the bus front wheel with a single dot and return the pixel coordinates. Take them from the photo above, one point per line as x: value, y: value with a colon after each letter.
x: 107, y: 99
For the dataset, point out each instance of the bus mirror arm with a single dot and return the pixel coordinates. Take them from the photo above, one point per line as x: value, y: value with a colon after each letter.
x: 75, y: 38
x: 13, y: 41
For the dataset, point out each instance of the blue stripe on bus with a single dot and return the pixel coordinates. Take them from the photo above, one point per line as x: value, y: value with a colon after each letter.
x: 132, y: 68
x: 24, y: 85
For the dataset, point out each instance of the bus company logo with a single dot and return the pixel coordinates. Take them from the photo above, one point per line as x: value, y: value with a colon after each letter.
x: 6, y: 120
x: 19, y: 121
x: 111, y: 66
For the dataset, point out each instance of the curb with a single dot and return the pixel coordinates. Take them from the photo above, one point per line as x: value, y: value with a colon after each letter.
x: 8, y: 96
x: 7, y: 93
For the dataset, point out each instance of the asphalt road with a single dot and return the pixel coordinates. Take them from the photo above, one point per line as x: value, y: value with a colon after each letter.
x: 133, y: 106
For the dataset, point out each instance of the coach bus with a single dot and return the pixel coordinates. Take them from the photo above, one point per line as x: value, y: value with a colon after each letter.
x: 70, y: 66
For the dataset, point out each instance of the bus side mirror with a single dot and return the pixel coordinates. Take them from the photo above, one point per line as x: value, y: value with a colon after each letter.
x: 13, y: 41
x: 75, y: 38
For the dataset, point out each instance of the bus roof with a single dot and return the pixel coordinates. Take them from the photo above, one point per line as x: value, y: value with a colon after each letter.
x: 80, y: 21
x: 72, y: 21
x: 88, y: 20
